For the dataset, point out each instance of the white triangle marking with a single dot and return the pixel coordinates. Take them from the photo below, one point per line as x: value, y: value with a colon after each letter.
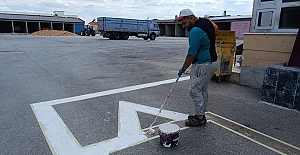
x: 62, y: 141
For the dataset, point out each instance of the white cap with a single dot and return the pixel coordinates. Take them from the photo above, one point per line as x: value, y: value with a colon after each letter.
x: 183, y: 13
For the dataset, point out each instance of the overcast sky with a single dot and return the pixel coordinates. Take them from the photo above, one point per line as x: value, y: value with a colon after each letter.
x: 138, y: 9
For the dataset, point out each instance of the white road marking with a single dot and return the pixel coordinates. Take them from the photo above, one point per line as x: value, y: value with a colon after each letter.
x: 62, y: 141
x: 110, y: 92
x: 243, y: 126
x: 242, y: 135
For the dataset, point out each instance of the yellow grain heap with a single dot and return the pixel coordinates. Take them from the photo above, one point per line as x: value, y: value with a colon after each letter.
x: 53, y: 33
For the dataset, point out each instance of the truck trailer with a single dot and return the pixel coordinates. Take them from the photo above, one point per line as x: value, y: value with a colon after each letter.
x: 122, y: 28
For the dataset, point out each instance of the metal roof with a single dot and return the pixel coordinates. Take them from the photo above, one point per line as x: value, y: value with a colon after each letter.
x: 249, y: 17
x: 38, y: 18
x: 215, y: 19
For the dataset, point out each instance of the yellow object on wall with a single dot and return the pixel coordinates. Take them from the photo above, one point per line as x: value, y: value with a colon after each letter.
x: 225, y: 46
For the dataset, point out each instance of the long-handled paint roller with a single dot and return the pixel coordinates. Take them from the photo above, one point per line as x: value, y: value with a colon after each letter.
x: 151, y: 130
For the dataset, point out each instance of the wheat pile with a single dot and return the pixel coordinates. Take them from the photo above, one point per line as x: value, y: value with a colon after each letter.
x: 53, y: 33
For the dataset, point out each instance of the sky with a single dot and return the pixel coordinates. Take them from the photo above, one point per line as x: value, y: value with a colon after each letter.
x: 136, y: 9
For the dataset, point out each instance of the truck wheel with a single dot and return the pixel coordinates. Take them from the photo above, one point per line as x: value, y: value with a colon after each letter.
x: 152, y: 36
x: 125, y: 36
x: 109, y: 35
x: 82, y: 33
x: 93, y: 33
x: 116, y: 35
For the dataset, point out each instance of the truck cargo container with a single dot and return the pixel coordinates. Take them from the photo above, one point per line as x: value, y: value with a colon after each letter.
x: 122, y: 28
x: 78, y: 28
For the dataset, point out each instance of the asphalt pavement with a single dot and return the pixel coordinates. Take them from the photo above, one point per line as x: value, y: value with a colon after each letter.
x: 90, y: 95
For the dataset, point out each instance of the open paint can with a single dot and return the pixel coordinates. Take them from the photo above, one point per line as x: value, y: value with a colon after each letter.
x: 169, y: 134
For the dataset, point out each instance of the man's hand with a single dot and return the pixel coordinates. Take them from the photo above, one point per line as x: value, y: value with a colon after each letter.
x: 181, y: 70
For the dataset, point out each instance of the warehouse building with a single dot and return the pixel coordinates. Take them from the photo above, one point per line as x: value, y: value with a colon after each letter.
x: 16, y: 22
x: 239, y: 24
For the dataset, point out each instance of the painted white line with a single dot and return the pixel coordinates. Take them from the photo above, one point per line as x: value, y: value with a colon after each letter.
x: 266, y: 146
x: 110, y: 92
x: 62, y: 141
x: 55, y: 130
x: 255, y: 131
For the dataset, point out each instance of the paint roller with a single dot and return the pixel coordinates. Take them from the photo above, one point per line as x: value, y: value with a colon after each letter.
x: 151, y: 130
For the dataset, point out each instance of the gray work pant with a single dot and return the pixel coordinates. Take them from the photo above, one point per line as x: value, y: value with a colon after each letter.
x: 200, y: 77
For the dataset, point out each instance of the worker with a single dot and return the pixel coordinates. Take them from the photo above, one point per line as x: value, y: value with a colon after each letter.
x: 202, y: 57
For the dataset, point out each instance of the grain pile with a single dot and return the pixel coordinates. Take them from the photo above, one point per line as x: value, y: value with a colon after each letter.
x: 53, y: 33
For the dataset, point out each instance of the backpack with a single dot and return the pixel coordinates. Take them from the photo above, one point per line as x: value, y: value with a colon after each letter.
x: 207, y: 26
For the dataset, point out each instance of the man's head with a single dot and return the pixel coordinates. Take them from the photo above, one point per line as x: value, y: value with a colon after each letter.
x: 187, y: 19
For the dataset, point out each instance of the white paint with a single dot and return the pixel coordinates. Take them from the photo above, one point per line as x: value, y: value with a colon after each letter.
x: 129, y: 132
x: 243, y: 126
x: 257, y: 142
x: 62, y: 141
x: 169, y: 128
x: 111, y: 92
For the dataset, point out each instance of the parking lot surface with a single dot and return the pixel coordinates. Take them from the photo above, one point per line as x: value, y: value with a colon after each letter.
x: 91, y: 95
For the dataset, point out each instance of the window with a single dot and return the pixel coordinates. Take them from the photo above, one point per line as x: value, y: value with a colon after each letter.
x: 265, y: 19
x: 289, y: 18
x: 266, y: 0
x: 284, y: 1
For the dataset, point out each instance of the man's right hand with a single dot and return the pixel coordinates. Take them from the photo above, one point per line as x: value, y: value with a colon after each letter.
x: 181, y: 71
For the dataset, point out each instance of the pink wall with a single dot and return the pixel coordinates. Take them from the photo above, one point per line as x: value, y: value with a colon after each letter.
x: 240, y: 27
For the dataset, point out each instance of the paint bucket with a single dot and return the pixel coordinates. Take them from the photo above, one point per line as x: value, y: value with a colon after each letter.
x: 169, y: 134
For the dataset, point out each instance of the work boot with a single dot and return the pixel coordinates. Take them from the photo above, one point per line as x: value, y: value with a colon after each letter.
x: 193, y: 121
